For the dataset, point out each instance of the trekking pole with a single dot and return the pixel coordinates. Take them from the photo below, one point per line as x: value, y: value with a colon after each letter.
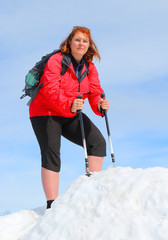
x: 79, y: 112
x: 108, y: 132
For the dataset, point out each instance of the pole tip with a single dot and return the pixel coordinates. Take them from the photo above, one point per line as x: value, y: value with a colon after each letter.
x: 88, y: 174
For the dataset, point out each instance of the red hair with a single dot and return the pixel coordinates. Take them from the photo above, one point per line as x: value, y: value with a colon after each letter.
x: 92, y: 50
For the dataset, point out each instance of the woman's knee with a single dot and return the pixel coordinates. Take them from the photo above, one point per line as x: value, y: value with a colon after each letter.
x: 98, y: 147
x: 102, y: 146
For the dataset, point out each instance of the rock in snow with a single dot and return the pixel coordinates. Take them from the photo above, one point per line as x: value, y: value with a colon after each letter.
x: 118, y: 203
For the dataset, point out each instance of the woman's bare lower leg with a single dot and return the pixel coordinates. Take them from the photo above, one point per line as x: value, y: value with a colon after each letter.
x: 95, y: 163
x: 50, y: 182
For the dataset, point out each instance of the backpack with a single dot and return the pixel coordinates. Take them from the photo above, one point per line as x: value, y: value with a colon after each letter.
x: 32, y: 79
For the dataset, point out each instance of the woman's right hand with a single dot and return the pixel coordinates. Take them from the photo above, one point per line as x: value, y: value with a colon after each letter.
x: 77, y: 105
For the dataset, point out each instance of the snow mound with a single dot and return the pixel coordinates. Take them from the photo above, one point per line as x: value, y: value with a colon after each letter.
x: 16, y: 225
x: 119, y: 204
x: 116, y: 204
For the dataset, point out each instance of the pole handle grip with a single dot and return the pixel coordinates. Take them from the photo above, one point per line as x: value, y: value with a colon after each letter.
x: 102, y: 96
x: 80, y: 96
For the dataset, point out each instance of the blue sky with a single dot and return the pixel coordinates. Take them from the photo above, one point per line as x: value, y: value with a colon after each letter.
x: 132, y: 38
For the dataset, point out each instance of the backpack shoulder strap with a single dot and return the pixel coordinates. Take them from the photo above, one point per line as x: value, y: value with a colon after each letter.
x: 63, y: 69
x: 66, y: 62
x: 87, y: 67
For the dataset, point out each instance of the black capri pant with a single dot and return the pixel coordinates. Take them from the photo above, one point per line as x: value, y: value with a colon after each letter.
x: 49, y: 129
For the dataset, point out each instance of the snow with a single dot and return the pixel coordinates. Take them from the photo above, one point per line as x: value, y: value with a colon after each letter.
x: 119, y: 203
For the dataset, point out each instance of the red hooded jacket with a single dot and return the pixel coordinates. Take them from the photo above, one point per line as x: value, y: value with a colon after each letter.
x: 59, y: 92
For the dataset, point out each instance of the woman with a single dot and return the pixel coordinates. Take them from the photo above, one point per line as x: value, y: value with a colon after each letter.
x: 53, y: 111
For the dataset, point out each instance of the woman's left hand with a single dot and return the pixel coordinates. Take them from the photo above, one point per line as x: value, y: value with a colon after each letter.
x: 104, y: 104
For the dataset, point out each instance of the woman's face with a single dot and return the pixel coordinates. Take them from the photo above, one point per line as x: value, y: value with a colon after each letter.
x: 79, y: 45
